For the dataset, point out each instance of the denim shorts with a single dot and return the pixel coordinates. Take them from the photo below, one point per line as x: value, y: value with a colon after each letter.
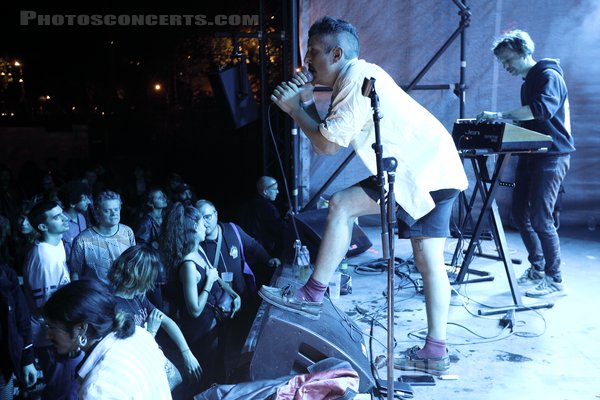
x: 436, y: 223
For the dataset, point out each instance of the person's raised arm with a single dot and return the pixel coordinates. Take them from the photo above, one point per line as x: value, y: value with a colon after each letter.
x: 287, y: 96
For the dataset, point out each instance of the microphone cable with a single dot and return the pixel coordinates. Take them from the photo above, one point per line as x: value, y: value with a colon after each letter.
x: 283, y: 175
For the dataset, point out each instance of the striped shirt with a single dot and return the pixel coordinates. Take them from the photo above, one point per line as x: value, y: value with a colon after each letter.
x: 92, y: 254
x: 125, y: 369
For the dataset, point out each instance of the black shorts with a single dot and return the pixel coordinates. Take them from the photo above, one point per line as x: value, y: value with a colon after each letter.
x: 436, y: 223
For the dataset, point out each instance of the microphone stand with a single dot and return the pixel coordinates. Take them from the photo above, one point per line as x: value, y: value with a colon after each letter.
x: 387, y: 211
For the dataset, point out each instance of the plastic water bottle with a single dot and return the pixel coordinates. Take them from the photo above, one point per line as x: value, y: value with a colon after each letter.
x: 303, y: 264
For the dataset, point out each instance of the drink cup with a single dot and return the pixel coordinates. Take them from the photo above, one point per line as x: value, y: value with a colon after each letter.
x: 334, y: 285
x: 227, y: 277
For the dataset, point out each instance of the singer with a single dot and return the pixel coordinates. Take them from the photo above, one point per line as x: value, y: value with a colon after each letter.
x: 429, y: 176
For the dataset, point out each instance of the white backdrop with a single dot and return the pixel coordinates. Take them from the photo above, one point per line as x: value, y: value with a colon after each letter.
x: 403, y: 35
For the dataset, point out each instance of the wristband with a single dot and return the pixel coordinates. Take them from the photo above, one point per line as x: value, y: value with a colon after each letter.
x: 207, y: 291
x: 307, y: 103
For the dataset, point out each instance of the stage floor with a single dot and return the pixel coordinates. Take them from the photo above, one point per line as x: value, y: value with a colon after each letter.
x: 549, y: 354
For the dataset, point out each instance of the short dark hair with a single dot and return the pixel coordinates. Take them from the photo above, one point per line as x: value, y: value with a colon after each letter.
x: 72, y: 192
x: 344, y: 32
x: 516, y: 40
x: 37, y: 215
x: 89, y: 301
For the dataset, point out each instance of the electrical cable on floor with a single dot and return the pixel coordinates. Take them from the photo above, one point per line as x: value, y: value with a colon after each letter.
x: 421, y: 334
x: 520, y: 334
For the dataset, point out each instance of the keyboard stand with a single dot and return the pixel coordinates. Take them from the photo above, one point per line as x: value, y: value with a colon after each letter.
x: 487, y: 187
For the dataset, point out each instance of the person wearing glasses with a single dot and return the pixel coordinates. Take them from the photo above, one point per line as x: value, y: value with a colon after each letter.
x: 230, y: 249
x: 261, y: 219
x: 197, y: 286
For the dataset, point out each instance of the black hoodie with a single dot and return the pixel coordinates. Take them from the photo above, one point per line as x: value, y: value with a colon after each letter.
x: 545, y: 92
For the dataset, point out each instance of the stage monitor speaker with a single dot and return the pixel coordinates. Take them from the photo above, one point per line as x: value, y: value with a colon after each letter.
x: 311, y: 225
x: 288, y: 343
x: 232, y: 88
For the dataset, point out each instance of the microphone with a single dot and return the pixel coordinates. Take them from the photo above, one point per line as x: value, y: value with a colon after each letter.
x: 306, y: 72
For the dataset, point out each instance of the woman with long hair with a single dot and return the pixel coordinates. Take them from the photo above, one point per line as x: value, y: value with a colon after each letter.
x: 131, y: 276
x: 193, y: 280
x: 121, y: 361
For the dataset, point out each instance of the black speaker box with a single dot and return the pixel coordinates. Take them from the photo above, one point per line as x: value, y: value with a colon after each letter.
x: 288, y: 343
x: 232, y: 89
x: 311, y: 225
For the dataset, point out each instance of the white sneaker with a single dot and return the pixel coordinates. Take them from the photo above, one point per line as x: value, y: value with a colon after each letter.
x: 546, y: 287
x: 531, y: 276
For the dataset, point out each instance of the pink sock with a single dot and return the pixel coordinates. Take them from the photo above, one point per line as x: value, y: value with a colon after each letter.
x: 434, y: 348
x: 312, y: 291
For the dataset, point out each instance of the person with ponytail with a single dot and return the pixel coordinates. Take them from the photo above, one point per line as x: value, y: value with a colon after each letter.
x: 192, y: 279
x: 121, y: 361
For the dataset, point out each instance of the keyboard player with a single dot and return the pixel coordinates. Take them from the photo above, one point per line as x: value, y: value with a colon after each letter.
x: 544, y: 109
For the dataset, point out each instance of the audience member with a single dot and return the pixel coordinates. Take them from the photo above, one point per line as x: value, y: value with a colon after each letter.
x: 174, y: 180
x: 16, y: 348
x: 47, y: 190
x: 134, y: 191
x: 5, y: 235
x: 10, y: 196
x: 230, y: 249
x: 131, y: 276
x: 121, y: 361
x: 45, y: 271
x: 148, y: 231
x: 75, y: 199
x: 96, y: 248
x: 93, y: 175
x: 185, y: 194
x: 194, y: 278
x: 261, y: 219
x: 22, y: 237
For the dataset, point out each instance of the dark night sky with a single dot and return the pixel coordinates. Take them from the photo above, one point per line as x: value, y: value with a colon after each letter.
x: 58, y: 57
x: 64, y: 61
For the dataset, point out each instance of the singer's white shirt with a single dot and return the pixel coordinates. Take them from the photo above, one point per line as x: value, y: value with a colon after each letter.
x: 427, y: 157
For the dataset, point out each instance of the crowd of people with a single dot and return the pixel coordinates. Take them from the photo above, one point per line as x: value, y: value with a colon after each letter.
x: 136, y: 268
